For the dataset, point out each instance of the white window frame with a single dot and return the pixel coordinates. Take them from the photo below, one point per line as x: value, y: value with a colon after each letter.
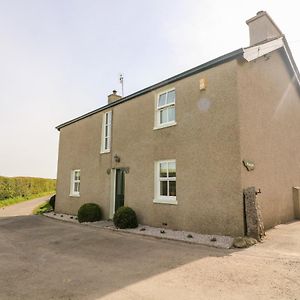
x: 158, y: 109
x: 157, y: 179
x: 74, y: 193
x: 106, y: 123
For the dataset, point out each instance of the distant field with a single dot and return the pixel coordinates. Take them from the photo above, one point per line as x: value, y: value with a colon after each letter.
x: 18, y: 189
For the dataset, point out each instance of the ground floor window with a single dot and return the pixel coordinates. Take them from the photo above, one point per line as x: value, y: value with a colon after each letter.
x: 165, y: 182
x: 75, y: 183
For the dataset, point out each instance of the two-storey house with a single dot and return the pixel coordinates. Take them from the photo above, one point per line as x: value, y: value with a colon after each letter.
x: 174, y: 151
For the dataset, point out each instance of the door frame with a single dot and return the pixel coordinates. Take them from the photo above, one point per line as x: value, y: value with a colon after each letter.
x: 113, y: 193
x: 113, y: 189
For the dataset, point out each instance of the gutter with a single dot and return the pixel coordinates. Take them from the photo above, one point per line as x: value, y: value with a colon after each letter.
x: 213, y: 63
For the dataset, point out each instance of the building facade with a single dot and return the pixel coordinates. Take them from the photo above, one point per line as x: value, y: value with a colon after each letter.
x: 174, y: 151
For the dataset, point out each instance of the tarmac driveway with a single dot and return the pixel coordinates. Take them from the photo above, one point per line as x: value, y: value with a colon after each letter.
x: 42, y: 258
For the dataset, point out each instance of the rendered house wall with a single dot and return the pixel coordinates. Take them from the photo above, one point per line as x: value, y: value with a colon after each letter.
x: 205, y: 144
x: 269, y: 124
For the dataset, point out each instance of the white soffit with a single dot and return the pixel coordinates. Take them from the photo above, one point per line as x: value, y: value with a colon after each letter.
x: 262, y: 49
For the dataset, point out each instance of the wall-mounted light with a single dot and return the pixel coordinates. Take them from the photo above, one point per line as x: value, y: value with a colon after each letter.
x: 117, y: 158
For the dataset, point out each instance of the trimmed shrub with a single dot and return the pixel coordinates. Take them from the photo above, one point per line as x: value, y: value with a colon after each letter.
x: 89, y: 212
x: 52, y: 201
x: 125, y: 217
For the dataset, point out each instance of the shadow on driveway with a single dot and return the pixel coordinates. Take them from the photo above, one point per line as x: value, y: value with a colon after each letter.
x: 48, y: 259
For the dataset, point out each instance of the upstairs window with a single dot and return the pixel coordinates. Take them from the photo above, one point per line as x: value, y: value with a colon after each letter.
x: 106, y: 132
x: 165, y: 109
x: 75, y: 183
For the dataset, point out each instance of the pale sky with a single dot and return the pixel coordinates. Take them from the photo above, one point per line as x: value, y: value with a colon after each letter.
x: 61, y: 58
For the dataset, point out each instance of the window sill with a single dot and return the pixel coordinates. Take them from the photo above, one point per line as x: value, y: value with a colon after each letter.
x: 165, y: 201
x: 164, y: 125
x: 74, y: 195
x: 105, y: 151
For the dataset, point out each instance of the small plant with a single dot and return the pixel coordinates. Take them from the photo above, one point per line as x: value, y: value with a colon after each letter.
x: 52, y: 201
x: 189, y: 236
x: 89, y: 212
x: 143, y: 229
x: 162, y: 231
x: 43, y: 208
x: 213, y: 239
x: 125, y: 217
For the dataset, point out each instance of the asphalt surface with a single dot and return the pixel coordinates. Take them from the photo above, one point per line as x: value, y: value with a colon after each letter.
x: 23, y: 208
x: 42, y: 258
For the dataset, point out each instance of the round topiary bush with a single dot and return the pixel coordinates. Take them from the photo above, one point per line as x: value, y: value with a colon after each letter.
x: 89, y: 212
x: 52, y: 201
x: 125, y: 217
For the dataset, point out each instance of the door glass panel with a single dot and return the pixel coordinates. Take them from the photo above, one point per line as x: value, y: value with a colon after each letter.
x: 120, y: 189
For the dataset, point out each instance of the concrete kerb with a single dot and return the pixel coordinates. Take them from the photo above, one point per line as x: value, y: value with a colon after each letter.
x: 217, y: 241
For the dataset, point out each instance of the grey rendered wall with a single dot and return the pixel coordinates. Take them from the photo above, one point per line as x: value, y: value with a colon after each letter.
x: 270, y: 127
x: 205, y: 144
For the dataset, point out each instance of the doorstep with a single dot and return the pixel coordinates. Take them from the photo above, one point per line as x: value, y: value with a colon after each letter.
x: 217, y: 241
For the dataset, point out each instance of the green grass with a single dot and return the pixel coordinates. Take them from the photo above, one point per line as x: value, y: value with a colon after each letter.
x: 44, y: 207
x: 16, y: 200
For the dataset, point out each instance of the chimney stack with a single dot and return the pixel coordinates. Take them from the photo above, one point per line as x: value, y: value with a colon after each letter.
x: 113, y: 97
x: 262, y: 28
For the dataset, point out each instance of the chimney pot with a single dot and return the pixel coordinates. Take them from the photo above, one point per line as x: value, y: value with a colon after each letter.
x: 260, y: 12
x: 113, y: 97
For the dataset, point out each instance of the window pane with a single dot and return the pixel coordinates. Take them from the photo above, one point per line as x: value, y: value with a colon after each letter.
x: 105, y: 143
x: 76, y: 187
x: 109, y: 118
x: 106, y: 130
x: 172, y: 169
x: 163, y: 188
x: 172, y: 188
x: 162, y: 100
x: 171, y: 114
x: 163, y: 116
x: 163, y: 169
x: 171, y: 97
x: 106, y: 118
x: 77, y: 175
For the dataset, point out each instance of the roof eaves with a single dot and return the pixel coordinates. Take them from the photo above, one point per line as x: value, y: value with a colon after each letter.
x: 190, y: 72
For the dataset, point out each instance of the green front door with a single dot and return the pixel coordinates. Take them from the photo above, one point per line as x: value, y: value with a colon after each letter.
x: 120, y: 188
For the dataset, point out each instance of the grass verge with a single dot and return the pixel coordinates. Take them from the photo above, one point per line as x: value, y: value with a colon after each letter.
x: 44, y: 207
x: 16, y: 200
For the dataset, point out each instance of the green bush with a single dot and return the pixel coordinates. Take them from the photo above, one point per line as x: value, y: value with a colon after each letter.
x: 125, y: 217
x: 89, y: 212
x: 52, y: 201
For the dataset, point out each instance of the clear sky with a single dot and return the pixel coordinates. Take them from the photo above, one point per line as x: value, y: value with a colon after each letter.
x: 61, y: 58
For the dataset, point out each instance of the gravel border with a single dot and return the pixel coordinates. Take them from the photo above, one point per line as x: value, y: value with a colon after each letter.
x: 218, y: 241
